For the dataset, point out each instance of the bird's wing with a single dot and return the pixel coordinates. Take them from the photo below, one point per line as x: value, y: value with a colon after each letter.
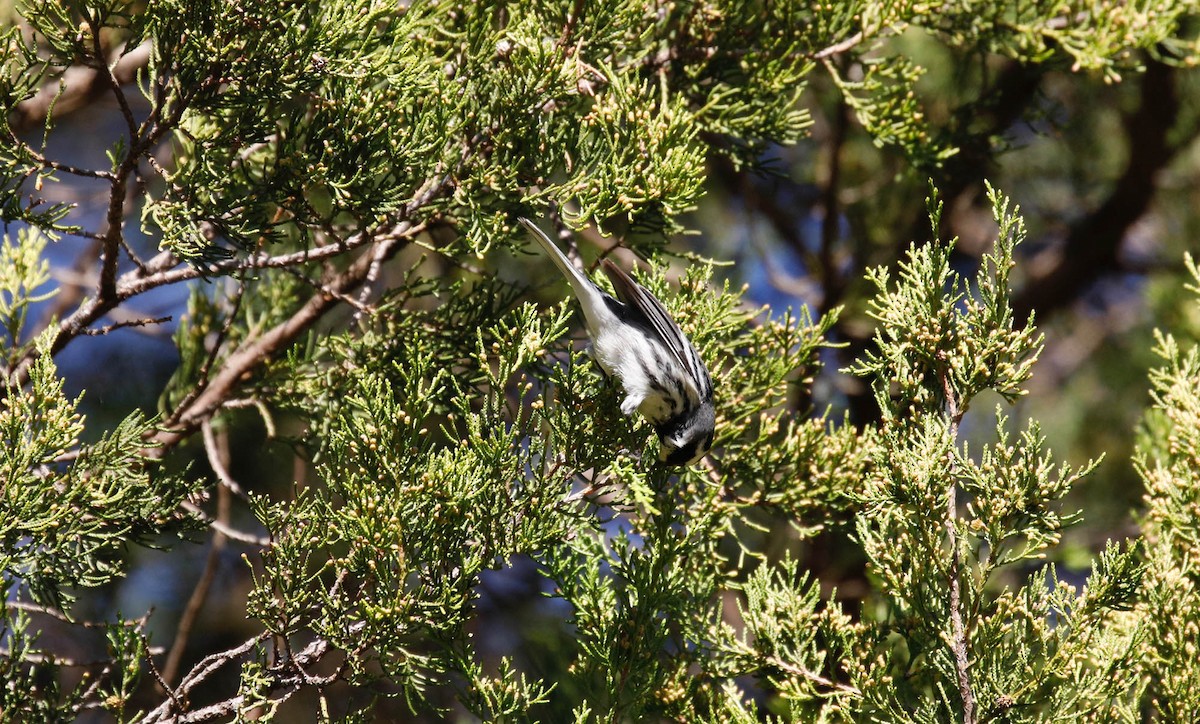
x: 639, y: 298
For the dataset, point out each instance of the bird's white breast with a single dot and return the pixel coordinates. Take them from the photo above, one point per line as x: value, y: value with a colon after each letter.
x: 626, y: 353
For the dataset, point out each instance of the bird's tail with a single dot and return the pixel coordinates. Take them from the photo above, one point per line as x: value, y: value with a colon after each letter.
x: 586, y: 292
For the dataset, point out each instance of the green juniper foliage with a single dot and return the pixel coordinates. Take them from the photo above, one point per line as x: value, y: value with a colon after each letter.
x: 70, y: 510
x: 1168, y: 453
x: 939, y: 526
x: 337, y: 181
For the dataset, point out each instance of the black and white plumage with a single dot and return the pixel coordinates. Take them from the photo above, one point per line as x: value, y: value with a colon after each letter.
x: 635, y: 340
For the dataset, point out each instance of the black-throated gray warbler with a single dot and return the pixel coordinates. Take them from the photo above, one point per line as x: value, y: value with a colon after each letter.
x: 635, y: 340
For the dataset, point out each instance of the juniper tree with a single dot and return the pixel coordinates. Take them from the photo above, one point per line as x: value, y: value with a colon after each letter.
x: 336, y: 184
x: 1166, y: 461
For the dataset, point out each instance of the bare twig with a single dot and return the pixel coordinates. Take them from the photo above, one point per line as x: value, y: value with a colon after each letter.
x: 143, y: 322
x: 113, y: 235
x: 217, y: 457
x: 959, y: 644
x: 35, y: 657
x: 199, y: 673
x: 364, y: 293
x: 287, y: 677
x: 572, y: 21
x: 227, y: 530
x: 81, y: 84
x: 162, y: 269
x: 72, y: 283
x: 346, y: 299
x: 133, y: 284
x: 129, y: 252
x: 240, y: 403
x: 196, y: 602
x: 253, y: 352
x: 839, y: 47
x: 796, y: 670
x: 163, y: 685
x: 107, y: 77
x: 263, y: 413
x: 48, y: 611
x: 58, y: 165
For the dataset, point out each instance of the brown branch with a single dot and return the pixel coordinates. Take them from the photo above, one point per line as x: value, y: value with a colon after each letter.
x: 288, y: 676
x: 111, y: 238
x: 110, y: 80
x: 39, y: 657
x: 959, y: 644
x: 221, y: 387
x: 258, y: 404
x: 832, y: 284
x: 958, y: 632
x: 58, y: 165
x: 82, y: 84
x: 812, y: 676
x: 351, y: 301
x: 256, y: 351
x: 839, y: 47
x: 128, y: 323
x: 195, y: 603
x: 226, y: 530
x: 164, y: 269
x: 1092, y: 247
x: 71, y: 292
x: 200, y: 672
x: 133, y: 284
x: 163, y: 685
x: 129, y: 252
x: 57, y: 614
x: 217, y: 452
x: 364, y: 294
x: 572, y: 21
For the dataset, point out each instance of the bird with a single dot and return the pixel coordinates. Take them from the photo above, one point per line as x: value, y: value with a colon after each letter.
x: 634, y: 339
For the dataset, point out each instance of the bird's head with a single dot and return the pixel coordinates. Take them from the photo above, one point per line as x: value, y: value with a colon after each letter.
x: 687, y: 438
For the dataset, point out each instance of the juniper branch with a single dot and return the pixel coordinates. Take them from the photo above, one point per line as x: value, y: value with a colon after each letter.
x: 958, y: 633
x: 224, y: 383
